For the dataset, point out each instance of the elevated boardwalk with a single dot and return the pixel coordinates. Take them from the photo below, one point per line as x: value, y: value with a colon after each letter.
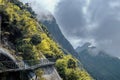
x: 11, y: 66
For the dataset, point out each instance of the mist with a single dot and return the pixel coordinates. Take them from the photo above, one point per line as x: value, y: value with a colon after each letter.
x: 81, y: 21
x: 94, y: 21
x: 44, y: 9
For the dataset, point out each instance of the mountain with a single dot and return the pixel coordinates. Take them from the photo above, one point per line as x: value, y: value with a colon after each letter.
x: 56, y: 33
x: 98, y: 63
x: 26, y: 42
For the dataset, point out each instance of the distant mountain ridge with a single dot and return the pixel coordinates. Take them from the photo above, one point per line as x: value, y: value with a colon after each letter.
x: 99, y: 64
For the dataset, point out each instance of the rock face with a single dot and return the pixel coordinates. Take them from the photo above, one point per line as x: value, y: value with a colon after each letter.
x: 54, y: 29
x: 8, y: 57
x: 99, y: 64
x: 5, y: 55
x: 51, y: 74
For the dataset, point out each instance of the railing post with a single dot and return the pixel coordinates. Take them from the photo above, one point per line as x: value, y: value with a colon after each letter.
x: 0, y: 29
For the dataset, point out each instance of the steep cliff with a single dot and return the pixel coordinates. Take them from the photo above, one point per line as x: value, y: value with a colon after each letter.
x: 26, y: 38
x: 56, y: 33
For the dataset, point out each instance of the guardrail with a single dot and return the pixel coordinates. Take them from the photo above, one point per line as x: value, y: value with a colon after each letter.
x: 13, y: 66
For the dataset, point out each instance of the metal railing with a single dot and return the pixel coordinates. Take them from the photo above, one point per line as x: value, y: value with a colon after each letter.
x: 13, y: 66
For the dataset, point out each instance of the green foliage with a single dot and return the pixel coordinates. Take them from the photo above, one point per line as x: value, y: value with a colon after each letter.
x: 36, y: 39
x: 49, y: 47
x: 45, y: 29
x: 22, y: 29
x: 72, y: 74
x: 39, y: 73
x: 68, y: 69
x: 72, y: 63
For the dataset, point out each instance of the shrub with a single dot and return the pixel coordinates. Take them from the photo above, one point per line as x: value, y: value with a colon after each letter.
x: 36, y: 39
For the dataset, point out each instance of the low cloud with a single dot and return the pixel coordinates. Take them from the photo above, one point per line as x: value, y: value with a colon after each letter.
x: 70, y: 17
x: 97, y: 22
x: 43, y: 8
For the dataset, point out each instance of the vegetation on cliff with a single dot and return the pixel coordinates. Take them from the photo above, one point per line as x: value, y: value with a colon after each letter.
x: 31, y: 39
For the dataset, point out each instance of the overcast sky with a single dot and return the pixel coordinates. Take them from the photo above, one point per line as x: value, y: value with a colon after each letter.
x: 95, y: 21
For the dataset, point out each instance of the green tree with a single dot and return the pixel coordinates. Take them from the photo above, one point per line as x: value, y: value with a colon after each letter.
x: 72, y: 63
x: 36, y: 39
x: 72, y: 74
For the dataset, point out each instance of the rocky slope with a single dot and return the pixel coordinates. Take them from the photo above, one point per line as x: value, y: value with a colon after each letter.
x: 56, y: 33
